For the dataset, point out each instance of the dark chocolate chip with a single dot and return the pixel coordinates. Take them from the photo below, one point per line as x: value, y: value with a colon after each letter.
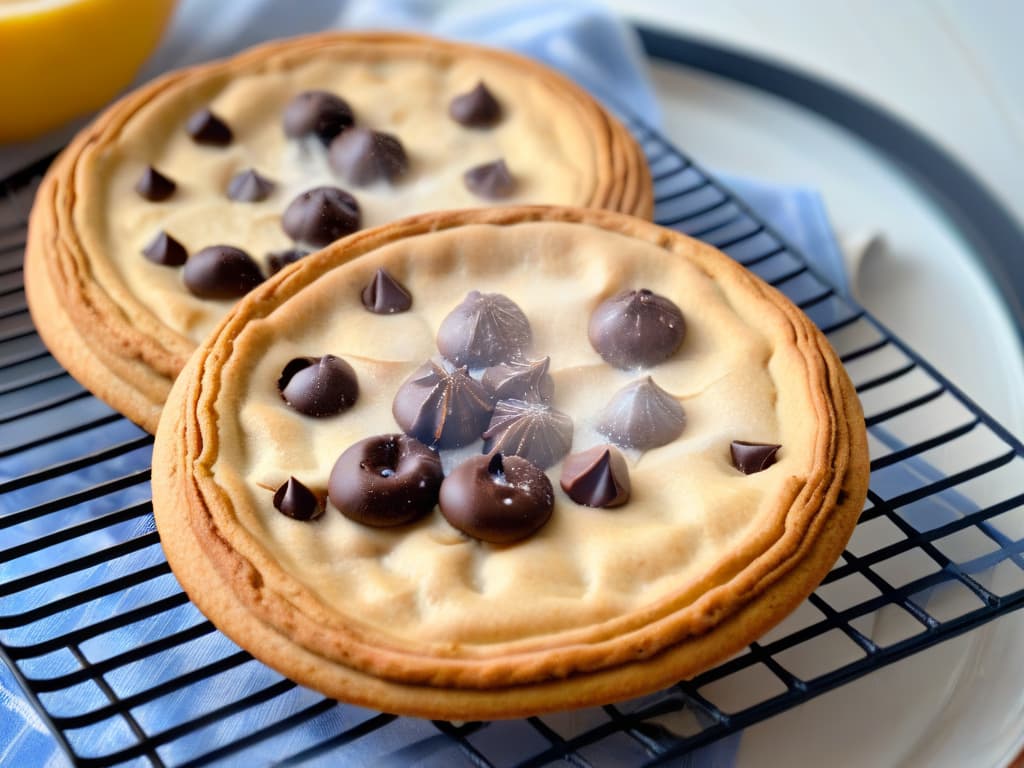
x: 492, y: 181
x: 500, y: 499
x: 154, y: 186
x: 386, y: 480
x: 164, y: 249
x: 221, y: 272
x: 278, y: 260
x: 319, y: 386
x: 527, y: 380
x: 298, y: 502
x: 319, y: 113
x: 361, y: 157
x: 535, y: 431
x: 636, y: 329
x: 384, y: 295
x: 485, y: 329
x: 642, y: 415
x: 441, y: 407
x: 598, y: 477
x: 749, y: 458
x: 476, y: 108
x: 250, y: 187
x: 321, y: 215
x: 206, y: 128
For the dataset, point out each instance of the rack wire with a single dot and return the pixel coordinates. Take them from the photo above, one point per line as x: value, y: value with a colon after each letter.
x: 124, y: 669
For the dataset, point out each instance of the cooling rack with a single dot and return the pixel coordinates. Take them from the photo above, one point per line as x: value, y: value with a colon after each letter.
x: 124, y: 669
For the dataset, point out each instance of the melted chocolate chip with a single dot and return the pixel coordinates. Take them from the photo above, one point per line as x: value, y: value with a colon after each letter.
x: 441, y: 407
x: 296, y: 501
x: 492, y: 181
x: 361, y: 157
x: 528, y: 380
x: 497, y: 498
x: 386, y: 480
x: 250, y: 187
x: 221, y: 272
x: 636, y: 329
x: 384, y: 295
x: 319, y: 386
x: 598, y: 477
x: 154, y: 186
x: 485, y: 329
x: 321, y: 215
x: 164, y: 249
x: 534, y: 431
x: 749, y: 458
x: 320, y: 113
x: 476, y: 108
x: 642, y: 415
x: 278, y: 260
x: 206, y: 128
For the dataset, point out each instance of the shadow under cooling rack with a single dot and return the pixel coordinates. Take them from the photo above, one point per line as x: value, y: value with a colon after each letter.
x: 125, y: 669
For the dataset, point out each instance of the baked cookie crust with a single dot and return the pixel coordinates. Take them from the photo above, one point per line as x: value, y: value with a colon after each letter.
x: 752, y: 546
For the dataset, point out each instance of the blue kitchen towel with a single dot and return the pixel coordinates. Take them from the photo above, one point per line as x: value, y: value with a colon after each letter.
x: 582, y: 39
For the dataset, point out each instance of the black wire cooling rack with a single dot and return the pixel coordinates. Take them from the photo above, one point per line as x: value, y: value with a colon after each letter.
x: 124, y: 669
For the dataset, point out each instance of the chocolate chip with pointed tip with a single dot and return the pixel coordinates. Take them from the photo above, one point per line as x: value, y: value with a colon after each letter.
x: 319, y: 386
x: 485, y: 329
x: 321, y: 215
x: 206, y: 128
x: 492, y: 181
x: 278, y: 260
x: 749, y: 458
x: 361, y: 157
x: 385, y: 481
x: 154, y: 186
x: 320, y: 113
x: 221, y: 272
x: 250, y: 187
x: 636, y: 329
x: 295, y: 500
x: 442, y: 406
x: 642, y: 415
x: 526, y: 380
x: 598, y: 477
x: 384, y: 295
x: 535, y: 431
x: 166, y: 251
x: 476, y: 108
x: 498, y: 499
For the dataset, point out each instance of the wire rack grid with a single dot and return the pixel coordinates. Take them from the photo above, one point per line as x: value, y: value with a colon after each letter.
x: 124, y: 669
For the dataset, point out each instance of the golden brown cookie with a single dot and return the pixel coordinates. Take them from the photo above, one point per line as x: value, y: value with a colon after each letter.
x: 120, y: 279
x: 724, y: 459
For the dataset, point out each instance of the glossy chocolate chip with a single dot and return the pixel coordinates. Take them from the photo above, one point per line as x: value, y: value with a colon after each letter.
x: 321, y: 215
x: 206, y: 128
x: 221, y: 272
x: 165, y: 250
x: 319, y: 386
x: 636, y: 329
x: 492, y: 181
x: 749, y: 458
x: 386, y: 480
x: 476, y: 108
x: 296, y: 501
x: 384, y: 295
x: 442, y: 407
x: 535, y: 431
x: 361, y: 156
x: 499, y: 499
x: 250, y: 187
x: 642, y: 415
x: 598, y: 477
x: 485, y: 329
x: 278, y: 260
x: 528, y: 380
x: 318, y: 113
x: 154, y: 186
